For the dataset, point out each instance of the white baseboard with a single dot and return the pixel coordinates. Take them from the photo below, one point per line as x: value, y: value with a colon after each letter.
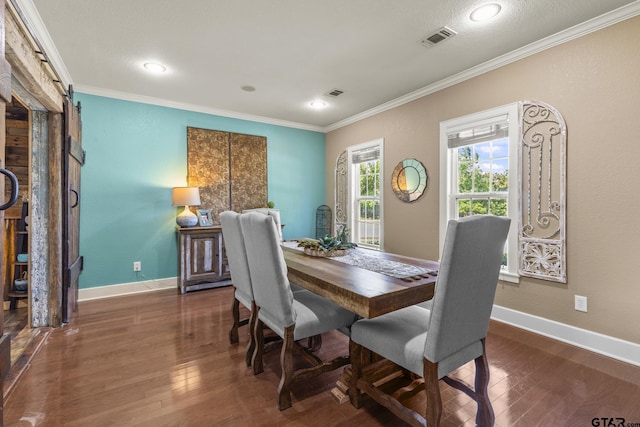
x: 86, y: 294
x: 616, y: 348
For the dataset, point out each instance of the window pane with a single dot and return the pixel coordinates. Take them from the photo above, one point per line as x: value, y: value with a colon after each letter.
x: 501, y: 148
x: 464, y: 208
x: 482, y: 151
x: 481, y: 176
x: 369, y: 211
x: 376, y: 176
x: 500, y: 175
x: 368, y: 223
x: 465, y: 154
x: 370, y: 179
x: 499, y: 207
x: 465, y: 177
x: 363, y: 179
x: 480, y: 206
x: 375, y: 234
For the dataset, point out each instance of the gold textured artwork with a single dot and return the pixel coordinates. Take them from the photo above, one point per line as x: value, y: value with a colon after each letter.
x: 229, y: 168
x: 248, y: 171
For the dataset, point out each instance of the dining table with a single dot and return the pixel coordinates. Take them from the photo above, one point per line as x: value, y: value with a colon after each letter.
x: 367, y: 282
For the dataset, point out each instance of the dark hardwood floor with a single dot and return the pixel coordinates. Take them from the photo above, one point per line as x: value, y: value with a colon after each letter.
x: 161, y: 359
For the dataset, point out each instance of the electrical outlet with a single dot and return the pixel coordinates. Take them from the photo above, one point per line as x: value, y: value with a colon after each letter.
x: 137, y: 266
x: 581, y: 303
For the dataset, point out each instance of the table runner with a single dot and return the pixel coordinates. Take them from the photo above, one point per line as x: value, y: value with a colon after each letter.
x: 387, y: 267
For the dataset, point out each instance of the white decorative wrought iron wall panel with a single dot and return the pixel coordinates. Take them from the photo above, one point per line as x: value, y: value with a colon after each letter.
x: 342, y: 191
x: 542, y: 228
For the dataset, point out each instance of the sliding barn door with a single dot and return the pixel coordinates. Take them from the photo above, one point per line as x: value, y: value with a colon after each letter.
x: 72, y: 161
x: 5, y: 96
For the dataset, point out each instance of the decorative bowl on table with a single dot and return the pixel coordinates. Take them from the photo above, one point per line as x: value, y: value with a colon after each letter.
x: 327, y: 254
x: 328, y: 246
x: 20, y: 285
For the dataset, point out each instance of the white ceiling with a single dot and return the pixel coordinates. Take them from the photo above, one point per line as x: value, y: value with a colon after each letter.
x: 291, y: 51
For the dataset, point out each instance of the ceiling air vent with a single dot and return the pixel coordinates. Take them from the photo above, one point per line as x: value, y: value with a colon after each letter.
x: 439, y: 36
x: 334, y: 93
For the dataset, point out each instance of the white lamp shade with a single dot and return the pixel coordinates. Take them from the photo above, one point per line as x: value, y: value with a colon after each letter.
x: 185, y: 196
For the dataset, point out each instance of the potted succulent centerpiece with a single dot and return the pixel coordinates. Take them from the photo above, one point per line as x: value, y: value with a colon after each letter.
x: 328, y: 246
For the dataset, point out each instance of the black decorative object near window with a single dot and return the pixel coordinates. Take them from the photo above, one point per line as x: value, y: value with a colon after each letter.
x: 323, y: 221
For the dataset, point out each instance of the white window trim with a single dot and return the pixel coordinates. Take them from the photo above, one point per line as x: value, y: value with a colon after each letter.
x: 447, y: 207
x: 352, y: 185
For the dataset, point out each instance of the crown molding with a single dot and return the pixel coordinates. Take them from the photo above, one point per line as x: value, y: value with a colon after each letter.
x: 615, y: 16
x: 32, y: 20
x: 127, y: 96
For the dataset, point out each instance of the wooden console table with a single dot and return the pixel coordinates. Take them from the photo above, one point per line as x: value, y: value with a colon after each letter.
x: 202, y: 260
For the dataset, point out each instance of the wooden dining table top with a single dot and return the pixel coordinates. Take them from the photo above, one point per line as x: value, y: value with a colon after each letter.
x: 364, y: 292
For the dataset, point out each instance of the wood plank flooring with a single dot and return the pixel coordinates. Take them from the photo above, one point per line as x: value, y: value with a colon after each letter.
x: 25, y: 343
x: 16, y: 325
x: 161, y: 359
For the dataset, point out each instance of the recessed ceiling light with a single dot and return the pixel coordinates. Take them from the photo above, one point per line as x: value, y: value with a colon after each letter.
x: 317, y: 104
x: 248, y: 88
x: 154, y: 67
x: 485, y: 12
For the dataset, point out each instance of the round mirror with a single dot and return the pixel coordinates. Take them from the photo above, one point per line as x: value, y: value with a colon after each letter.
x: 409, y: 180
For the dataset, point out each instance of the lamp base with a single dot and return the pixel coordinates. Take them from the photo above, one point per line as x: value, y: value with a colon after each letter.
x: 187, y: 218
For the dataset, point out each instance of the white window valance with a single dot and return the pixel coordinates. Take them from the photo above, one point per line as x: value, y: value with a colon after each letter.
x: 365, y: 155
x: 478, y: 134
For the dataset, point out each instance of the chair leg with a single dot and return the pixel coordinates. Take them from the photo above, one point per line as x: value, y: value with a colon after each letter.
x: 355, y: 354
x: 485, y: 415
x: 286, y: 363
x: 432, y: 387
x: 314, y: 343
x: 235, y: 313
x: 258, y: 339
x: 251, y: 347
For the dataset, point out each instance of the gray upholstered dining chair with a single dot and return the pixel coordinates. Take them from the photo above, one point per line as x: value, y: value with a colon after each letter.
x: 293, y: 319
x: 240, y: 276
x: 433, y: 342
x: 275, y: 213
x: 241, y: 279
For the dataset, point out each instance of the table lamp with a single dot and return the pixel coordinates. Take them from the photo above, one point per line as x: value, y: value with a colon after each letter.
x: 185, y: 196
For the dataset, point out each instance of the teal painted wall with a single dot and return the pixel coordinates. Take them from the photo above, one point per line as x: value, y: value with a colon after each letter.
x: 137, y: 152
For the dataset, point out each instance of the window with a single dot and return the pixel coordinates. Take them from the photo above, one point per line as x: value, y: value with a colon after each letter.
x: 365, y: 193
x: 479, y: 173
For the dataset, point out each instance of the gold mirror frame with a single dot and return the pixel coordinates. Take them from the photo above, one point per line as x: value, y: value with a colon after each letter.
x: 409, y: 180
